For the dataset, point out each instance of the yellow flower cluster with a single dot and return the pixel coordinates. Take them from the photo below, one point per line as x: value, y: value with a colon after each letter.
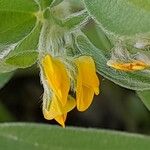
x: 56, y: 75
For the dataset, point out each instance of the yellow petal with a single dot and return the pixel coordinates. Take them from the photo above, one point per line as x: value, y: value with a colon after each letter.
x: 61, y: 119
x: 57, y: 77
x: 85, y: 98
x: 129, y: 66
x: 87, y: 82
x: 57, y: 109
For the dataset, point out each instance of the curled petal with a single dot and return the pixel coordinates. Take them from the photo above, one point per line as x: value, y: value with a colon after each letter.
x: 57, y: 77
x: 135, y: 65
x: 87, y: 82
x: 57, y: 111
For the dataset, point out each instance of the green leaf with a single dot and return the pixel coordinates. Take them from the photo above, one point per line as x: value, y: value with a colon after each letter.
x: 23, y: 59
x: 30, y: 42
x: 145, y: 97
x: 4, y: 68
x: 17, y: 19
x: 121, y: 17
x: 56, y: 2
x: 44, y: 3
x: 133, y: 80
x: 97, y: 36
x: 46, y: 137
x: 75, y: 20
x: 4, y: 78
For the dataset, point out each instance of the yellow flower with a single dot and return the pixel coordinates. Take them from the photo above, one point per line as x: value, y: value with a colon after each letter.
x: 58, y: 80
x: 135, y: 65
x: 87, y: 82
x: 56, y: 73
x: 57, y: 111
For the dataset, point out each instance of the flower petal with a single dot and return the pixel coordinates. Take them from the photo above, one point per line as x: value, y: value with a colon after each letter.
x: 135, y: 65
x: 57, y: 77
x: 85, y: 99
x: 61, y: 119
x: 56, y: 109
x: 87, y: 82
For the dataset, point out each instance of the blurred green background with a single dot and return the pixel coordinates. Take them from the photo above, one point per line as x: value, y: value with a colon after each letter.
x: 115, y: 108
